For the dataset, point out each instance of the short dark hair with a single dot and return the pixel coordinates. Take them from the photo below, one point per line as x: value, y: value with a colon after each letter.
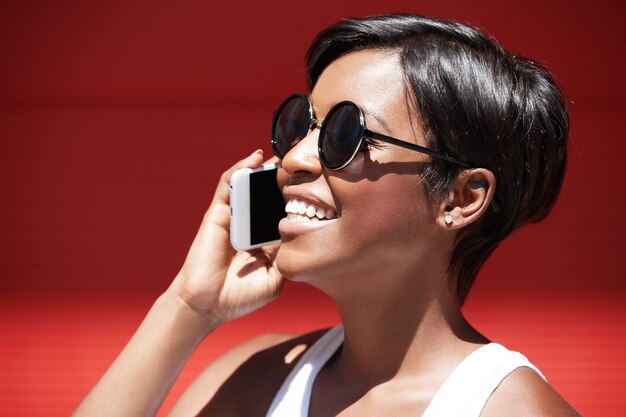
x: 477, y: 102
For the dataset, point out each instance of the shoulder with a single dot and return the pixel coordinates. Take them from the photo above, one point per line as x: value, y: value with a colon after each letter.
x: 525, y: 393
x: 252, y: 369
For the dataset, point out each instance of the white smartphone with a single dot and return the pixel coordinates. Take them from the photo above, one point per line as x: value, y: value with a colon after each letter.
x: 256, y: 207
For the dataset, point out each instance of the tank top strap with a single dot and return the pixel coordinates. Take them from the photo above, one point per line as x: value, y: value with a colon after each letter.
x: 466, y: 391
x: 294, y: 395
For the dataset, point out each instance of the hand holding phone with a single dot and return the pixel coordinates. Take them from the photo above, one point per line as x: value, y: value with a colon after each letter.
x: 211, y: 278
x: 257, y: 206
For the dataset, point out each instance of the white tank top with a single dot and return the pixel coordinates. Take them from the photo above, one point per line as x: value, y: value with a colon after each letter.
x: 463, y: 394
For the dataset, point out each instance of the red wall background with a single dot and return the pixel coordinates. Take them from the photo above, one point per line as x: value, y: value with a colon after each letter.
x: 116, y: 119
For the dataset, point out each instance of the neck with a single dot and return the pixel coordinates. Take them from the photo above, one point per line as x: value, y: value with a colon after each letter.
x: 402, y: 330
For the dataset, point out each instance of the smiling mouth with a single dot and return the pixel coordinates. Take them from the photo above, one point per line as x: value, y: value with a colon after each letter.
x: 306, y: 212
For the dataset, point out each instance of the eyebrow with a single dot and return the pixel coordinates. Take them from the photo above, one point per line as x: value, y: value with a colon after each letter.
x: 375, y: 115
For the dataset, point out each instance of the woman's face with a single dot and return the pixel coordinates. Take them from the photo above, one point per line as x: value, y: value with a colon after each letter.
x: 383, y: 224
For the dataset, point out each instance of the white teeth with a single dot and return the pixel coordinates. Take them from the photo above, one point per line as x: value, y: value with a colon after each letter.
x: 299, y: 211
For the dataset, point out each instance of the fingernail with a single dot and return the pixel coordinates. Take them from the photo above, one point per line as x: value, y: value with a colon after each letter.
x: 257, y: 152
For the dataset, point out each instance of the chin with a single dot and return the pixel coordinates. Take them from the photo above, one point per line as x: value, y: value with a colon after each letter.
x: 293, y: 265
x: 325, y: 269
x: 302, y: 264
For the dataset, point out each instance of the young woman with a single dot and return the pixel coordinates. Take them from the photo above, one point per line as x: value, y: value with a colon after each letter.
x: 421, y: 145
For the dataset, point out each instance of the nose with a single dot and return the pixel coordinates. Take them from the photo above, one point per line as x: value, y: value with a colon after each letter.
x: 303, y: 158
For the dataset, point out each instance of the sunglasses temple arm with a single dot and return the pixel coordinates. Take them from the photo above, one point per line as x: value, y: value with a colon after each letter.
x: 414, y: 147
x: 436, y: 154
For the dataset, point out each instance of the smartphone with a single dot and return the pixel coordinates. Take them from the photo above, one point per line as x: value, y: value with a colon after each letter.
x: 256, y: 207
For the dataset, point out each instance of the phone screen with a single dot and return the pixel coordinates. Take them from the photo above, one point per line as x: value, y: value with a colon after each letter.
x: 267, y: 207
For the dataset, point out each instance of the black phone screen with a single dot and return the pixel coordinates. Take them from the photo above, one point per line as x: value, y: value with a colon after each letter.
x: 267, y: 207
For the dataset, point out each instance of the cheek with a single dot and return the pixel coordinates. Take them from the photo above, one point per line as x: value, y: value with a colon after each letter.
x: 385, y: 215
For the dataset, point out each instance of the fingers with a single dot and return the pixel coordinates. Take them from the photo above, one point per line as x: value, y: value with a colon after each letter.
x: 266, y: 260
x: 271, y: 250
x: 272, y: 160
x: 270, y: 253
x: 222, y: 193
x: 254, y: 160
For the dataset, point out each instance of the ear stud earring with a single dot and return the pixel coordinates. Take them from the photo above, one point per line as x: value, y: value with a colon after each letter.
x: 447, y: 219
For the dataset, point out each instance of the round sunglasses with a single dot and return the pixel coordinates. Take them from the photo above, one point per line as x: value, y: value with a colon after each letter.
x: 341, y: 133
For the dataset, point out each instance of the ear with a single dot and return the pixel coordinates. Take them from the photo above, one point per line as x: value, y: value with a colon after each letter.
x: 469, y: 198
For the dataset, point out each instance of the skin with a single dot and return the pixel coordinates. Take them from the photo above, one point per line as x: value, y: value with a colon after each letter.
x: 382, y: 260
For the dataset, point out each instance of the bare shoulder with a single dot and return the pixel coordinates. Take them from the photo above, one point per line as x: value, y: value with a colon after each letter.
x: 525, y: 393
x: 260, y: 362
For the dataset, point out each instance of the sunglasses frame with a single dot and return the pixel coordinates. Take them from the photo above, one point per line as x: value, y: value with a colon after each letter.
x: 364, y: 133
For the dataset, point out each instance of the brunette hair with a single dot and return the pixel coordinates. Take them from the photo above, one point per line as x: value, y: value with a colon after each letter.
x: 478, y: 102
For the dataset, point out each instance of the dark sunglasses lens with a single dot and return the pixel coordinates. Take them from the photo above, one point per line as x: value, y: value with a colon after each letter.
x: 340, y: 135
x: 291, y: 124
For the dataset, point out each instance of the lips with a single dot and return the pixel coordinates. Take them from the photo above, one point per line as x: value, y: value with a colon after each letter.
x: 307, y: 212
